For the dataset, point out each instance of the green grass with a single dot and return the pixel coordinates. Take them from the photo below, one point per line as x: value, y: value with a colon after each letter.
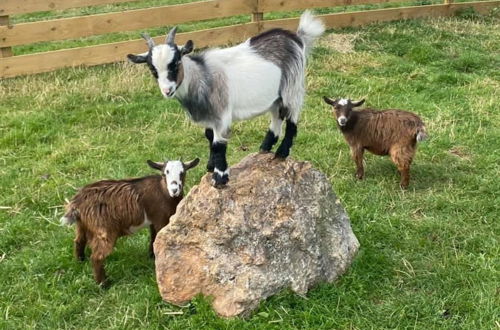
x: 429, y: 256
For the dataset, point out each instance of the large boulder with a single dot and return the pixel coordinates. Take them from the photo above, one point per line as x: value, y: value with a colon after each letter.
x: 276, y: 225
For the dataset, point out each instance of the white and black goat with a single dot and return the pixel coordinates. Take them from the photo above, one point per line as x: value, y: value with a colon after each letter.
x: 106, y: 210
x: 266, y: 73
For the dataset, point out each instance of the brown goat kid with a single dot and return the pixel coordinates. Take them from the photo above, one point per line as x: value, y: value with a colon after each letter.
x: 106, y: 210
x: 388, y: 132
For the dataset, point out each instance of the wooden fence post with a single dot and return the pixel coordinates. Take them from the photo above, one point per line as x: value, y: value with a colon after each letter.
x: 5, y: 51
x: 258, y: 16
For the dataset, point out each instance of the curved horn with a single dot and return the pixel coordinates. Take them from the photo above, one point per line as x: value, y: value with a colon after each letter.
x: 171, y: 36
x: 148, y: 39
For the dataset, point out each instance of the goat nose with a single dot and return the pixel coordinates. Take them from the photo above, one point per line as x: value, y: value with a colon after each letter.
x: 166, y: 91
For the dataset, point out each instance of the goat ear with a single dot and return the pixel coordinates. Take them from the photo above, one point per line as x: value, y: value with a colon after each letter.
x: 191, y: 164
x: 357, y: 104
x: 329, y: 101
x: 155, y: 165
x: 187, y: 48
x: 137, y: 59
x: 171, y: 36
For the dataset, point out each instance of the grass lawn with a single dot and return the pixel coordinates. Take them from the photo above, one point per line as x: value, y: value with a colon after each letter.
x: 429, y: 256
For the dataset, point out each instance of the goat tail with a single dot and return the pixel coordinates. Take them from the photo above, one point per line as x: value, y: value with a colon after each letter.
x: 71, y: 216
x: 421, y: 134
x: 310, y: 29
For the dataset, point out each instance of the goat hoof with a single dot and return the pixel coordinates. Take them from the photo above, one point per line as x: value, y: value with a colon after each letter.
x: 262, y: 151
x: 220, y: 180
x: 282, y: 154
x: 105, y: 284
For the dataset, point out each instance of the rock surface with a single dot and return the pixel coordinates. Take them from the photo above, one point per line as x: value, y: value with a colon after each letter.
x: 276, y: 225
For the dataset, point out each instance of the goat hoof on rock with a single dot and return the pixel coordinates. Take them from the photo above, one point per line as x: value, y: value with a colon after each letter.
x: 281, y: 154
x: 219, y: 180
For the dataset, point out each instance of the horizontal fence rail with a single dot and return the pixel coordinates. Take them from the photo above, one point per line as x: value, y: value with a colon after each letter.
x: 70, y: 28
x: 11, y: 66
x: 11, y: 7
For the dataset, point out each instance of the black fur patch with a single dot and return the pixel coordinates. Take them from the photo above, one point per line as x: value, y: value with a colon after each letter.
x: 199, y: 59
x: 219, y: 151
x: 269, y: 140
x: 275, y: 33
x: 285, y: 146
x: 173, y: 66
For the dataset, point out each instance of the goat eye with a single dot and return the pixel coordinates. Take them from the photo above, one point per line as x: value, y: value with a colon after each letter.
x: 168, y: 172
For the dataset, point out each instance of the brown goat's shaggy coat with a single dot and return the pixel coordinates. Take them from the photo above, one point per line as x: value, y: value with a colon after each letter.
x: 388, y: 132
x: 106, y: 210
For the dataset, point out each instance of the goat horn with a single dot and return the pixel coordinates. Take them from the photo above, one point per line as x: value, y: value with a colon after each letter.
x: 171, y: 36
x: 148, y: 39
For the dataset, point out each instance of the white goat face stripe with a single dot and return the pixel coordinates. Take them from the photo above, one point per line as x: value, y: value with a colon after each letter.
x: 173, y: 172
x: 343, y: 101
x: 161, y: 56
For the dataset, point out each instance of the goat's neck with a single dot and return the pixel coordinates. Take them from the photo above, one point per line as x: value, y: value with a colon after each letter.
x: 192, y: 75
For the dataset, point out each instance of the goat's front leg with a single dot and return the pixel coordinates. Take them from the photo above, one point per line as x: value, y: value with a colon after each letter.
x: 209, y: 134
x: 357, y: 156
x: 218, y: 149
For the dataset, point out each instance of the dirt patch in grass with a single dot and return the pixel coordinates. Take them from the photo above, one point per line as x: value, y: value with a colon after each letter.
x: 460, y: 152
x: 340, y: 42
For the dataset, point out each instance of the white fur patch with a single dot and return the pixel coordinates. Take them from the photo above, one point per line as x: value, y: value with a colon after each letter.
x: 221, y: 173
x: 343, y: 101
x: 342, y: 119
x: 173, y: 172
x: 66, y: 221
x: 146, y: 222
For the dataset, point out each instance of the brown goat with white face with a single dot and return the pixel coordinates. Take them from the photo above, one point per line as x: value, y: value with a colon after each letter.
x: 388, y: 132
x: 106, y: 210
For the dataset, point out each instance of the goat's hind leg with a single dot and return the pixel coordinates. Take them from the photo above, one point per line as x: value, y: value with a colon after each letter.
x: 290, y: 109
x: 290, y: 132
x: 102, y: 247
x: 402, y: 158
x: 274, y: 131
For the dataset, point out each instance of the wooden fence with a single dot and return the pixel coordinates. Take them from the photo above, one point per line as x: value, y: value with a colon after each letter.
x: 130, y: 20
